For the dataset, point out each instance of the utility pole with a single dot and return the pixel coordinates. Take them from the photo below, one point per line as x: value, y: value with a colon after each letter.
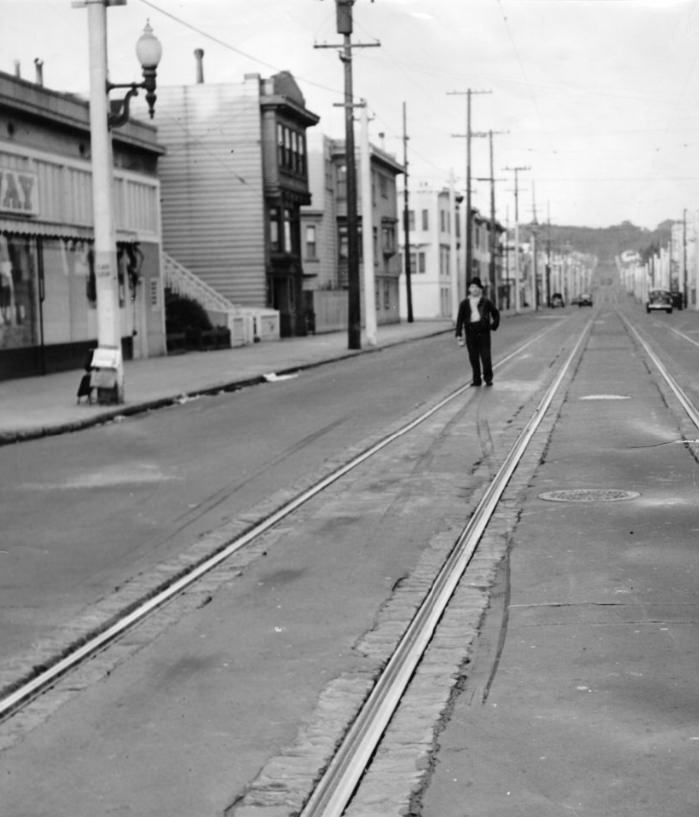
x: 492, y: 243
x: 493, y: 288
x: 406, y: 223
x: 367, y: 231
x: 107, y: 358
x: 469, y: 233
x: 684, y: 258
x: 354, y: 316
x: 506, y: 258
x: 516, y: 171
x: 453, y: 271
x: 548, y: 253
x: 108, y: 318
x: 535, y: 251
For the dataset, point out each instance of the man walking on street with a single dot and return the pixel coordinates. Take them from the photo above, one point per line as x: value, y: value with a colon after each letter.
x: 477, y: 317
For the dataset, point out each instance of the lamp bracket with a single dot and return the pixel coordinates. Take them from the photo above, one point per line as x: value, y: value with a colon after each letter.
x: 120, y: 110
x: 119, y: 113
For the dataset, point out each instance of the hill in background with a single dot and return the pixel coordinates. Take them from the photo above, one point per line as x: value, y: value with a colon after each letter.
x: 604, y: 242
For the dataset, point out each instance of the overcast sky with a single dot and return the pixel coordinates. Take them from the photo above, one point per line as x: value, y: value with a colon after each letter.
x: 600, y: 98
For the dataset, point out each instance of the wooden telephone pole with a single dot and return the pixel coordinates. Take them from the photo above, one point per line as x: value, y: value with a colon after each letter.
x: 516, y: 171
x: 406, y: 224
x: 354, y: 312
x: 493, y: 237
x: 469, y: 230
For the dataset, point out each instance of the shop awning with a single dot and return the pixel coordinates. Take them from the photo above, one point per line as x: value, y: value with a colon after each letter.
x: 45, y: 229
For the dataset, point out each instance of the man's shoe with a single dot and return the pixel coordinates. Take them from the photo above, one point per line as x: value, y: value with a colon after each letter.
x: 488, y: 382
x: 475, y: 382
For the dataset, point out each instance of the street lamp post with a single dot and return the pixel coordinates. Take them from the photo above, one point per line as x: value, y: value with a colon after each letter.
x: 107, y: 359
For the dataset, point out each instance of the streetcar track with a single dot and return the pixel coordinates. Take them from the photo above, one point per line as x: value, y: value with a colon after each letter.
x: 679, y: 393
x: 468, y: 539
x: 44, y: 676
x: 341, y: 777
x: 344, y: 772
x: 682, y: 335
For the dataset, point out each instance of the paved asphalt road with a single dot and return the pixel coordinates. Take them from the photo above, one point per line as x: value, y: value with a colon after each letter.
x: 584, y: 698
x: 186, y: 709
x: 587, y: 655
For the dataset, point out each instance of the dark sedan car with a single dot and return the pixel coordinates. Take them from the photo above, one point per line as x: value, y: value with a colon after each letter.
x: 659, y: 300
x: 585, y: 299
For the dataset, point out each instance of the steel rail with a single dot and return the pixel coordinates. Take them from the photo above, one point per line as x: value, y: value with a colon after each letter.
x: 339, y: 781
x: 91, y: 644
x: 685, y: 402
x: 684, y: 336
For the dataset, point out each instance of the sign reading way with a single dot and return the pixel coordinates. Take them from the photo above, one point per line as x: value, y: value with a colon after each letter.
x: 18, y: 192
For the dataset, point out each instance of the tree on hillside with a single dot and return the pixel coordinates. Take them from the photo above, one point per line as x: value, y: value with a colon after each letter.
x: 606, y: 243
x: 648, y: 252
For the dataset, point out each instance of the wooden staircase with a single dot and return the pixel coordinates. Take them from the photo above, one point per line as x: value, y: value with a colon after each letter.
x: 246, y: 324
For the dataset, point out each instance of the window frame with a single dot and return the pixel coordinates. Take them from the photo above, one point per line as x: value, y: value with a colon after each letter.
x: 311, y: 246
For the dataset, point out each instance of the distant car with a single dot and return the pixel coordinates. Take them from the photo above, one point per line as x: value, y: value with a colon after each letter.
x: 585, y: 300
x: 557, y: 300
x: 659, y: 299
x: 677, y: 300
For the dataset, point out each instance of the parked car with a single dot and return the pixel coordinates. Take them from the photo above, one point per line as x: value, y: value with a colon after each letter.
x: 677, y: 300
x: 585, y: 299
x: 557, y: 300
x: 659, y: 299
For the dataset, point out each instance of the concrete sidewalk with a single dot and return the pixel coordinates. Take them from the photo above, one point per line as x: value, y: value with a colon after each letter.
x: 39, y: 406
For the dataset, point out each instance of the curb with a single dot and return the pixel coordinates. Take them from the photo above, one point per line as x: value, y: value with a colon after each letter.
x: 10, y: 437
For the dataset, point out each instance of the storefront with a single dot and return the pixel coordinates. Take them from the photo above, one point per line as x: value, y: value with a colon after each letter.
x: 48, y: 307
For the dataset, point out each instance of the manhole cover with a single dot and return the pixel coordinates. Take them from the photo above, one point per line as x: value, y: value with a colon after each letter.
x: 588, y: 495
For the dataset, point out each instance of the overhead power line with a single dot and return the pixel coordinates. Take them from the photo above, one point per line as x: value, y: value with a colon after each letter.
x: 229, y: 47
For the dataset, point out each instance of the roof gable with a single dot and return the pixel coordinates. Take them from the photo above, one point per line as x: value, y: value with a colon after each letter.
x: 284, y: 84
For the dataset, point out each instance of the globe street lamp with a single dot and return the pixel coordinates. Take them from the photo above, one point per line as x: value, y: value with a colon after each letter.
x: 108, y: 375
x: 149, y: 51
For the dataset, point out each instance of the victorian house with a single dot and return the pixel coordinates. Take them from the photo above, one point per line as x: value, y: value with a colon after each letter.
x: 324, y: 232
x: 488, y: 240
x: 234, y: 179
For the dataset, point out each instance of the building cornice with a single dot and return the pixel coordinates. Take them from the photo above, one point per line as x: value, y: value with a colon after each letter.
x: 378, y: 156
x: 69, y: 111
x: 298, y: 112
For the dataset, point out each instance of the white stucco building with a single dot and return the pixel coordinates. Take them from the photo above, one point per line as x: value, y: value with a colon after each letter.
x: 436, y: 265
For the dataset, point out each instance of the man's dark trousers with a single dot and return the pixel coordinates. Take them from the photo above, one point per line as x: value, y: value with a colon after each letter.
x: 478, y: 347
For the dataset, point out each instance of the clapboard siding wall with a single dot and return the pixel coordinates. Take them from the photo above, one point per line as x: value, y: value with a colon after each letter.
x: 322, y: 212
x: 212, y: 190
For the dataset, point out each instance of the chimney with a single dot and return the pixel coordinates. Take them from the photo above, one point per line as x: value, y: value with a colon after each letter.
x: 18, y: 69
x: 199, y: 55
x: 39, y: 64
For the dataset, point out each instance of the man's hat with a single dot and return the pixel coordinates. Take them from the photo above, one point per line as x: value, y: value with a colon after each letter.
x: 477, y: 282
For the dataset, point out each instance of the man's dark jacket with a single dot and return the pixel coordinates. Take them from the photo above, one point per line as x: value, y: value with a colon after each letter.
x: 488, y: 317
